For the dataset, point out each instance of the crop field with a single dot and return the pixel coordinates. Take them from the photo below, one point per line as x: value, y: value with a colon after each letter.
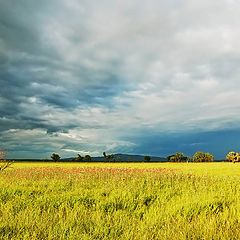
x: 120, y: 201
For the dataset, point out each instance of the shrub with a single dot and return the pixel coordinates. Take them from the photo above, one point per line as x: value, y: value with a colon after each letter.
x: 147, y: 158
x: 87, y: 158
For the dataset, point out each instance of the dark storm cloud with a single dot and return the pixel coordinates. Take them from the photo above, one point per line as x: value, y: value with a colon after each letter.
x: 88, y: 75
x: 30, y: 69
x: 217, y: 142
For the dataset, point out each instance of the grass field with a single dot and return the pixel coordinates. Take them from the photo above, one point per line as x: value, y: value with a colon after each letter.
x: 120, y: 201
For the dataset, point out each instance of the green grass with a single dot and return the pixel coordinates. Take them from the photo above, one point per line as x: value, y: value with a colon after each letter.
x: 120, y: 201
x: 212, y: 168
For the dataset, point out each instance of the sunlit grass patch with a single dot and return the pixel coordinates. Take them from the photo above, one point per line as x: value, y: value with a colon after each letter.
x: 107, y: 201
x: 54, y: 172
x: 213, y: 168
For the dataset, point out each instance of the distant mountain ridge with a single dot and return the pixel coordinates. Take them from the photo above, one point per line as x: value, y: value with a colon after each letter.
x: 119, y: 157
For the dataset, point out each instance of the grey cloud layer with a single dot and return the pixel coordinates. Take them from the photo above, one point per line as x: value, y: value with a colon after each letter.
x: 114, y: 68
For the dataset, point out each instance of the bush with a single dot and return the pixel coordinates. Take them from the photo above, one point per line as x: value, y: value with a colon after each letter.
x: 147, y: 158
x: 87, y: 158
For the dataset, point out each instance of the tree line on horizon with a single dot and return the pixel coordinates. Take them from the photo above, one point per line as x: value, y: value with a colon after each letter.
x: 177, y: 157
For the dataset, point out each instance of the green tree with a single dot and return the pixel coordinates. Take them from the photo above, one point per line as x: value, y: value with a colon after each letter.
x: 147, y: 158
x: 55, y: 157
x: 233, y: 157
x: 169, y: 157
x: 203, y: 157
x: 177, y: 157
x: 79, y: 158
x: 110, y: 157
x: 87, y: 158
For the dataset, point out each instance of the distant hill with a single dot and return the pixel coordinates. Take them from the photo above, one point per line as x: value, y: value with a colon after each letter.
x: 130, y: 158
x: 117, y: 157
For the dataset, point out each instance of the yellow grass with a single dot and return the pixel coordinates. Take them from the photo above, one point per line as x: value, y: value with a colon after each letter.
x: 120, y: 201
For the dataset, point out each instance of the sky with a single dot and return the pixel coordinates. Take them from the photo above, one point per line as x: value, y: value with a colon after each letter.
x: 148, y: 77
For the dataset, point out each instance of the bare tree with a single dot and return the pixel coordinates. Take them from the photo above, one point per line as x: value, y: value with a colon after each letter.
x: 3, y: 162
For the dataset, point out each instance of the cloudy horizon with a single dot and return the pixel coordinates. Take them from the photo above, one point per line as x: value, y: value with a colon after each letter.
x: 152, y: 78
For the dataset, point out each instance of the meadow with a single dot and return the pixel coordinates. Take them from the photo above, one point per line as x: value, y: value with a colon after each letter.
x: 120, y: 201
